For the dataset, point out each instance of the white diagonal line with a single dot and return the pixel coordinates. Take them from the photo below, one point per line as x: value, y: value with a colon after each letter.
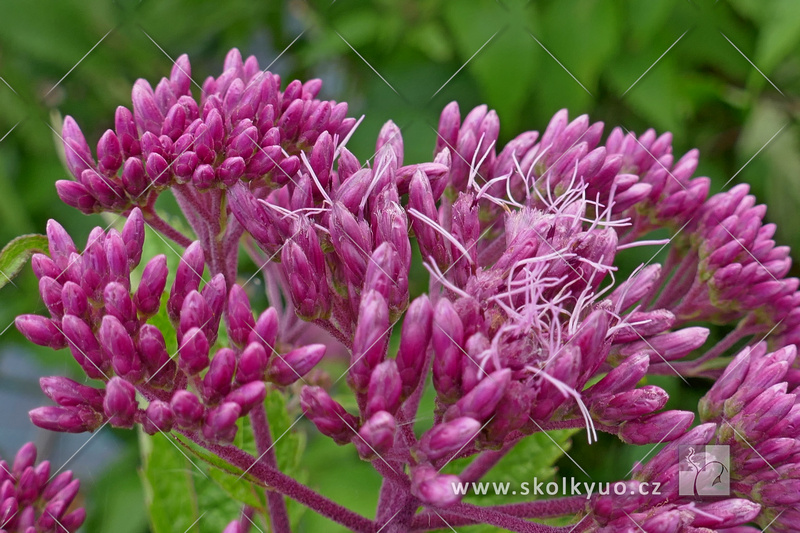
x: 170, y: 58
x: 654, y: 64
x: 179, y: 449
x: 368, y: 444
x: 635, y: 138
x: 466, y: 443
x: 378, y: 338
x: 195, y: 522
x: 271, y: 445
x: 560, y: 448
x: 387, y: 522
x: 742, y: 437
x: 652, y: 449
x: 368, y: 64
x: 93, y: 435
x: 79, y: 62
x: 773, y: 520
x: 634, y: 521
x: 560, y: 64
x: 755, y: 154
x: 465, y: 64
x: 8, y: 85
x: 752, y: 64
x: 254, y: 524
x: 579, y: 523
x: 9, y: 131
x: 284, y: 50
x: 443, y: 520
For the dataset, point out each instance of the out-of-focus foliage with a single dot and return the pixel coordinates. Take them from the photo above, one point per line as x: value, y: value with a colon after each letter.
x: 722, y: 76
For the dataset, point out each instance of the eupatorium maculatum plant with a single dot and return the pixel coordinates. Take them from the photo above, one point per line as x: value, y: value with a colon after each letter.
x: 528, y: 325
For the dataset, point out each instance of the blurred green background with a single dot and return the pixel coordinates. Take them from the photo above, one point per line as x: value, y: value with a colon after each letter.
x: 722, y: 76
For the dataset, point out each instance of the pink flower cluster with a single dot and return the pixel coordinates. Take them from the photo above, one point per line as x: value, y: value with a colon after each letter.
x: 528, y: 325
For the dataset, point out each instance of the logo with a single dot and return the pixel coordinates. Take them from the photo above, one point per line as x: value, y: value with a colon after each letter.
x: 704, y: 471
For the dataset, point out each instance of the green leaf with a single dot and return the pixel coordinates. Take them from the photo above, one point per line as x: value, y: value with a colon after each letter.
x: 532, y: 458
x: 182, y: 494
x: 17, y: 252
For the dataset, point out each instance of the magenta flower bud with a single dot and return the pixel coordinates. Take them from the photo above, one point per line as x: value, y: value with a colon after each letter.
x: 444, y: 439
x: 622, y: 378
x: 217, y: 381
x: 74, y: 300
x: 117, y: 259
x: 384, y: 390
x: 153, y: 352
x: 248, y: 395
x: 76, y: 149
x: 68, y: 393
x: 352, y: 241
x: 447, y: 341
x: 266, y: 329
x: 234, y: 527
x: 56, y: 485
x: 185, y: 165
x: 44, y: 266
x: 370, y: 341
x: 321, y: 159
x: 726, y: 513
x: 195, y: 313
x: 154, y: 278
x: 376, y: 436
x: 636, y: 287
x: 181, y: 75
x: 512, y: 412
x: 414, y: 339
x: 134, y: 177
x: 239, y: 316
x: 145, y: 110
x: 73, y: 520
x: 421, y: 199
x: 187, y: 409
x: 133, y: 237
x: 193, y: 352
x: 480, y: 403
x: 65, y: 419
x: 157, y: 168
x: 60, y: 244
x: 287, y: 368
x: 108, y: 191
x: 386, y: 274
x: 669, y: 346
x: 118, y: 304
x: 231, y: 170
x: 187, y: 279
x: 308, y: 287
x: 8, y: 511
x: 158, y: 417
x: 661, y: 427
x: 629, y: 405
x: 328, y: 415
x: 119, y: 403
x: 125, y: 126
x: 109, y: 153
x: 203, y: 177
x: 252, y: 363
x: 433, y: 488
x: 25, y: 458
x: 40, y: 330
x: 778, y: 493
x: 219, y: 425
x: 449, y: 125
x: 215, y: 293
x: 118, y: 345
x: 84, y: 347
x: 78, y: 196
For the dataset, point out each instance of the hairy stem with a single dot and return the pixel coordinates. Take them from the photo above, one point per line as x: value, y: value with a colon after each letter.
x: 278, y: 516
x: 162, y: 226
x: 287, y: 486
